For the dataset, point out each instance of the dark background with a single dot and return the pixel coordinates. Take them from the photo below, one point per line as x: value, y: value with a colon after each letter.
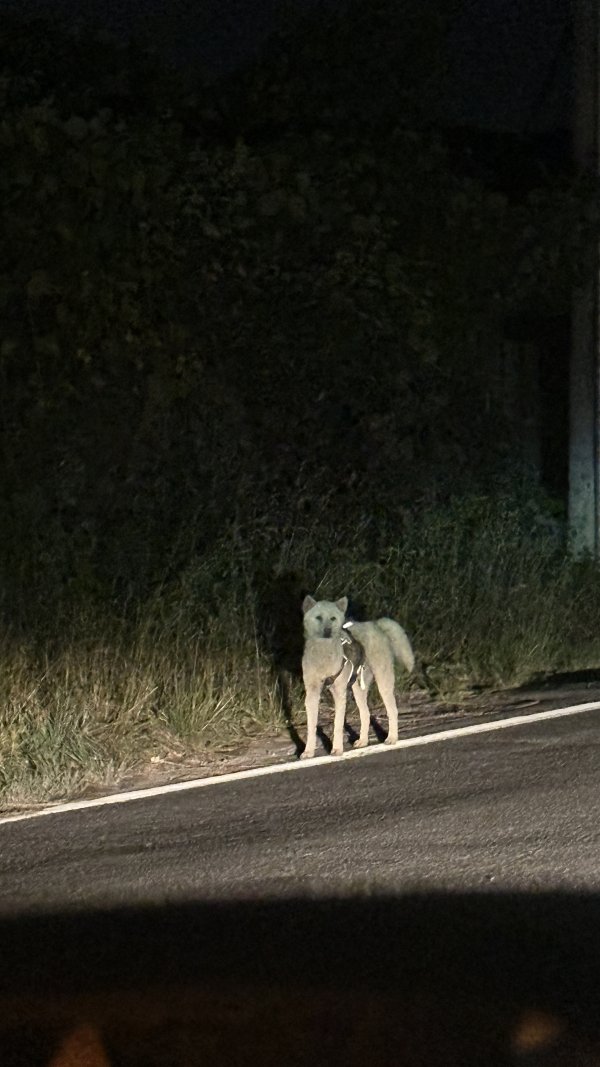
x: 509, y: 61
x: 316, y: 274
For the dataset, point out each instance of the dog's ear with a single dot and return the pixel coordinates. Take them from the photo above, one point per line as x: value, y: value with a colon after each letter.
x: 342, y: 604
x: 307, y: 604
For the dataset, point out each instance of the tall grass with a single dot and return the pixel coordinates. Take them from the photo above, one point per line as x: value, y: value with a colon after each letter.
x: 487, y: 592
x: 98, y: 708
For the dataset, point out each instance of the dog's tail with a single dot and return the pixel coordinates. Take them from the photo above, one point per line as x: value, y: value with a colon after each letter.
x: 398, y: 639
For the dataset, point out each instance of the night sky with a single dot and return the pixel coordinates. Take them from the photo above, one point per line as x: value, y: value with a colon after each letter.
x: 508, y: 60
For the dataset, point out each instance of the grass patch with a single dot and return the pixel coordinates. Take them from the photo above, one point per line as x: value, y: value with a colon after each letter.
x: 98, y: 709
x: 487, y: 592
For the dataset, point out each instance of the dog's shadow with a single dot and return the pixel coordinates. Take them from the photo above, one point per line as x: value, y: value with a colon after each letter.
x: 351, y: 736
x: 279, y: 630
x: 379, y: 731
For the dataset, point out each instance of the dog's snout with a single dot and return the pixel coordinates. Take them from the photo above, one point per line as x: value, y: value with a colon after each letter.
x: 327, y: 631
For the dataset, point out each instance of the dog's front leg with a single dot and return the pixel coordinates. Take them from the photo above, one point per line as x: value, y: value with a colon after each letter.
x: 313, y: 695
x: 340, y: 692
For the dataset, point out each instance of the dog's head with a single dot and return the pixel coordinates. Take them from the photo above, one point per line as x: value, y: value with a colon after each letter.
x: 323, y: 618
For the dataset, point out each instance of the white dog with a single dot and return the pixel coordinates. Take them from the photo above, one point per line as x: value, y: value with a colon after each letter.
x: 338, y: 654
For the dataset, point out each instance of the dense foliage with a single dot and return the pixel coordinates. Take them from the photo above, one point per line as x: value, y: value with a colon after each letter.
x: 246, y: 301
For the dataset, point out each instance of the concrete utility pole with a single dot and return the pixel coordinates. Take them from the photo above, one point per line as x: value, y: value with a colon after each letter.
x: 584, y: 408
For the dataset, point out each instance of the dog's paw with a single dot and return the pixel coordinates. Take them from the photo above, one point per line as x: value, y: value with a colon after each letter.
x: 360, y: 743
x: 337, y: 751
x: 307, y: 755
x: 391, y: 740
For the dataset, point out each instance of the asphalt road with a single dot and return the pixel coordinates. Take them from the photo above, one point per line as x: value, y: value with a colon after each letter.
x: 517, y: 809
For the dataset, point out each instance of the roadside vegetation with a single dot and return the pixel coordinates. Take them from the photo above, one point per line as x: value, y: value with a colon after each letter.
x: 488, y: 596
x: 256, y: 333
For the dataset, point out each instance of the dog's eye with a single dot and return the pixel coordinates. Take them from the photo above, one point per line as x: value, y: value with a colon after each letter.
x: 333, y: 618
x: 319, y: 618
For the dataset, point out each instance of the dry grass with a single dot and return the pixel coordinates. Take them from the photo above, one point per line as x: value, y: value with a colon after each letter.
x: 95, y: 711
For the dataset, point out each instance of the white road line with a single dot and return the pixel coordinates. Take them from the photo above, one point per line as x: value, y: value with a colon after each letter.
x: 305, y: 765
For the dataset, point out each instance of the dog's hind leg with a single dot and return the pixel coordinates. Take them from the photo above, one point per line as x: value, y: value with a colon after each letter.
x: 313, y: 694
x: 360, y: 692
x: 385, y: 683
